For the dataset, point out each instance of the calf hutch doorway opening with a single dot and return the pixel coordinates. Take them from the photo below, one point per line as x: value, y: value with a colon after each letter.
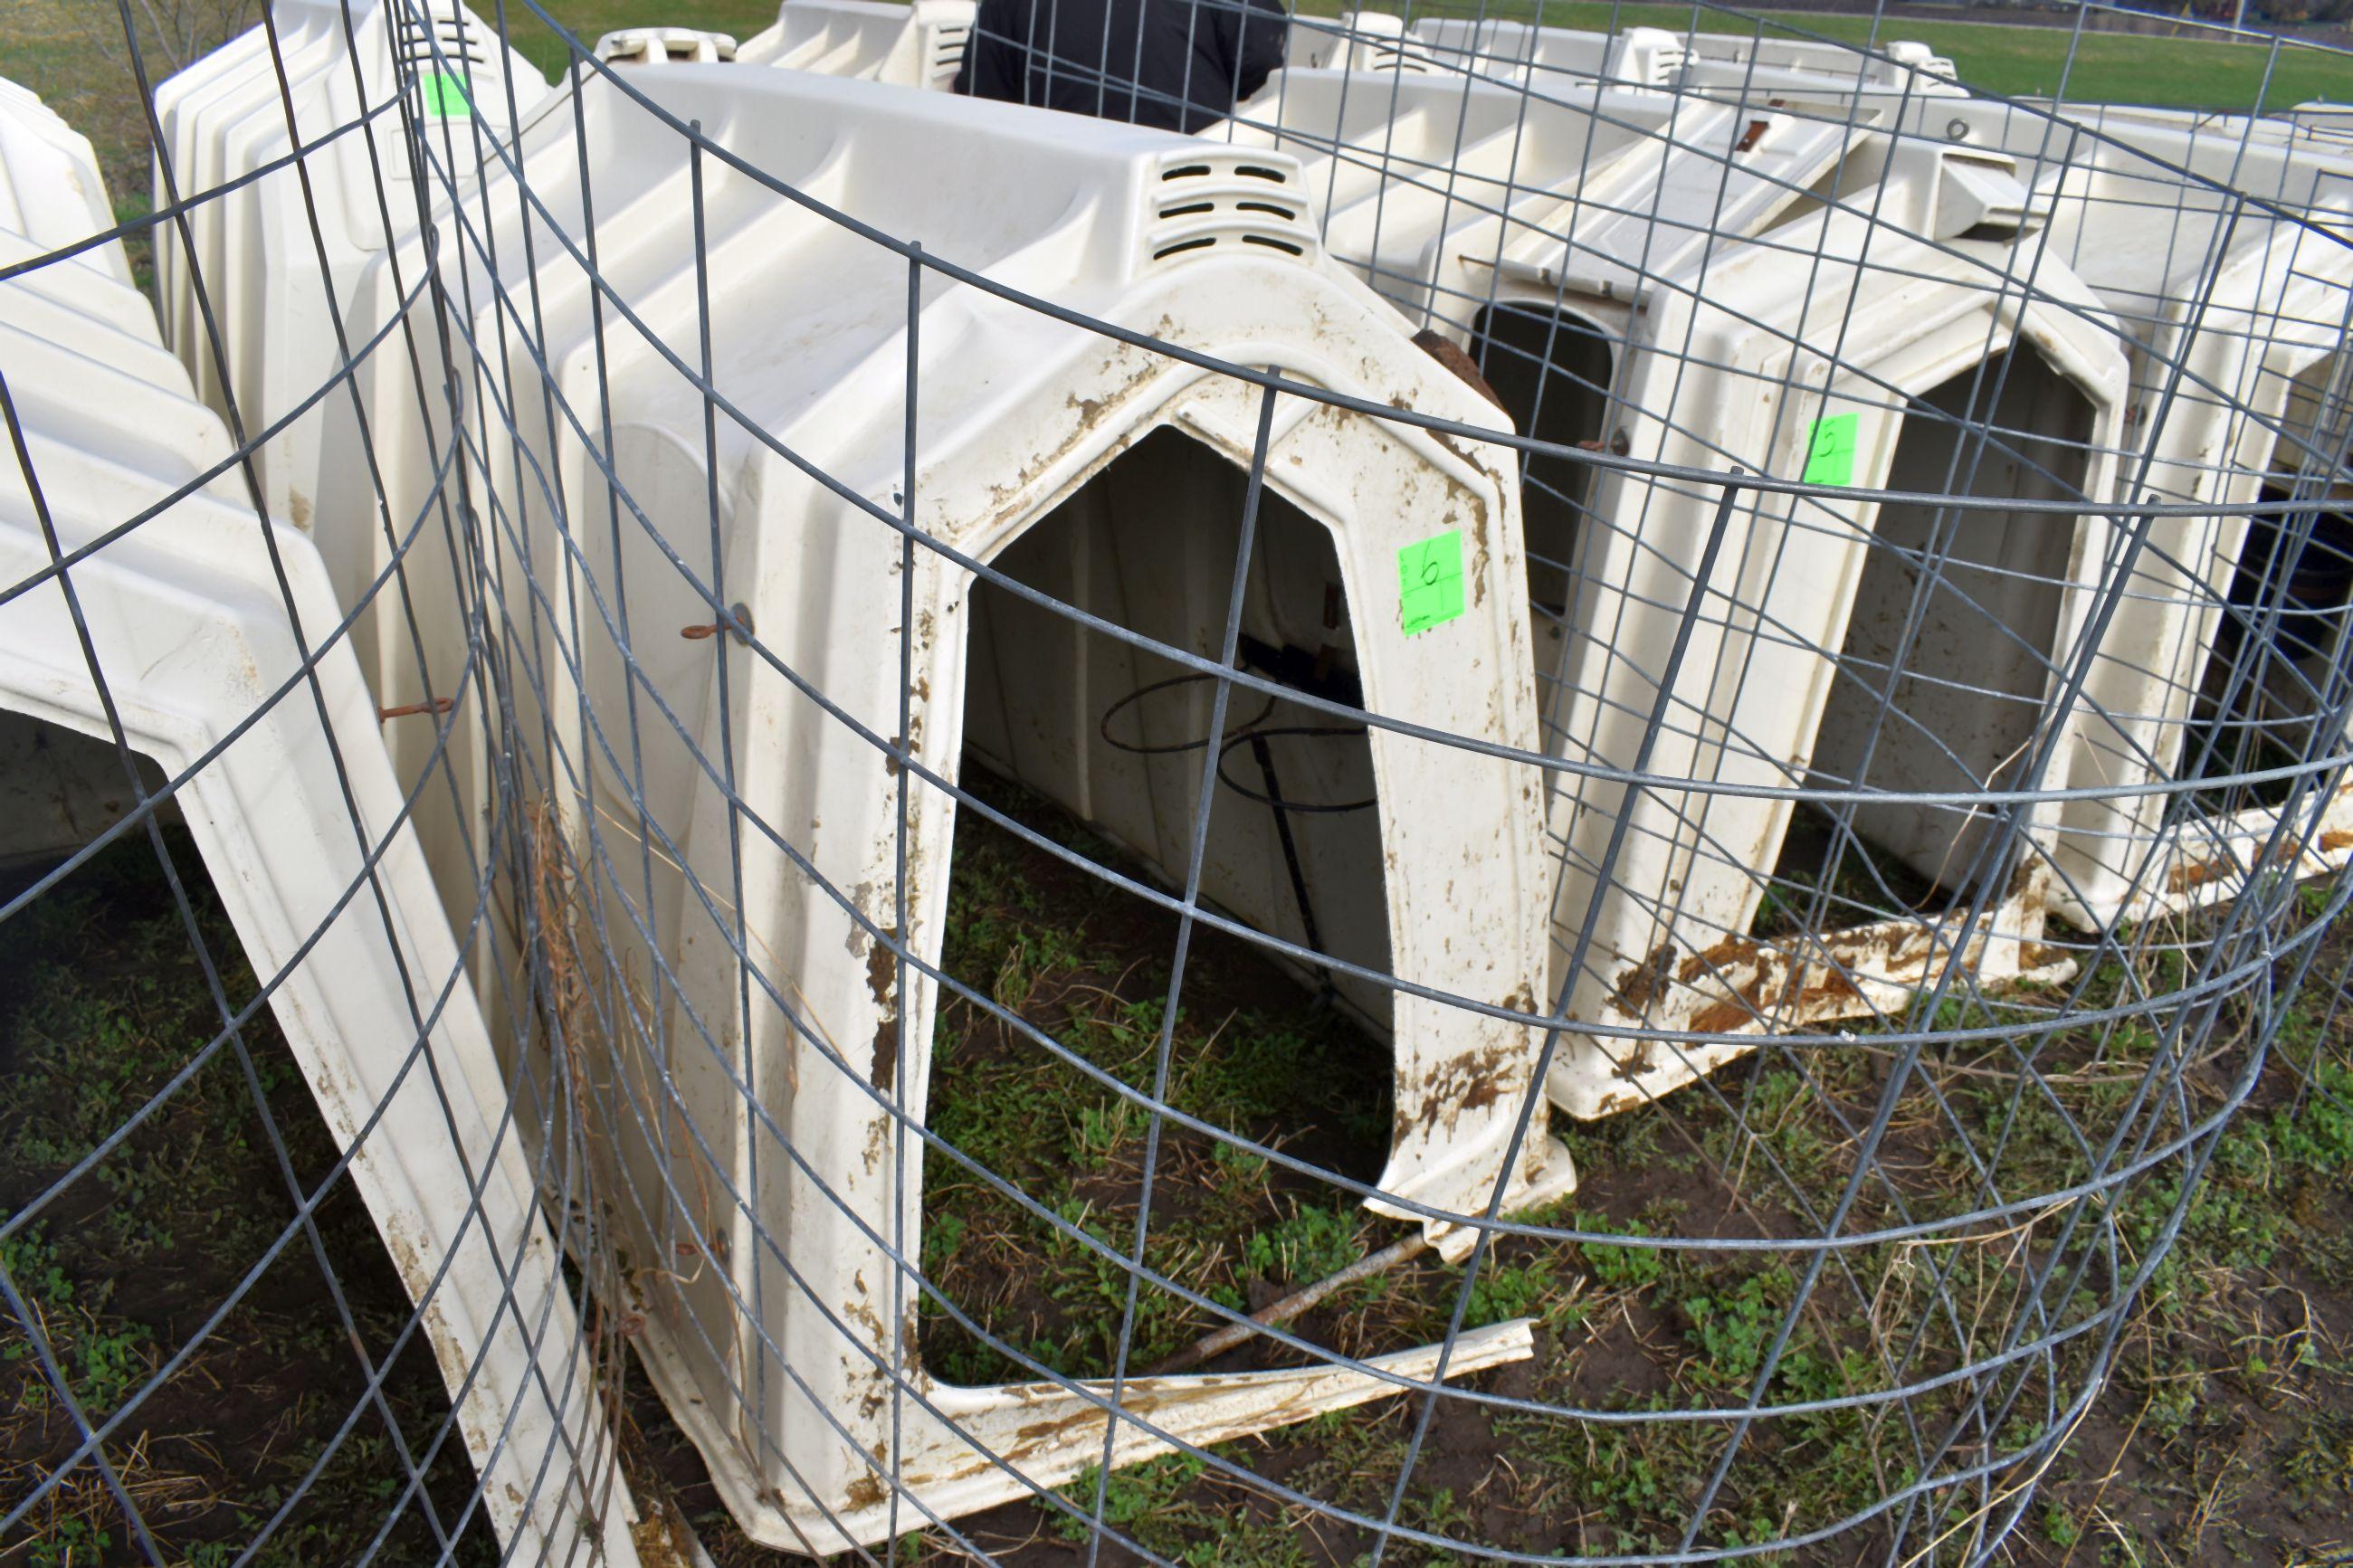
x: 1099, y: 746
x: 1551, y: 370
x: 2289, y: 596
x: 1978, y: 647
x: 60, y: 789
x: 1114, y: 733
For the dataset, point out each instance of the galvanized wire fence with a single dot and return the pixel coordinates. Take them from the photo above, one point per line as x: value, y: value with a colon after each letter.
x: 1618, y: 746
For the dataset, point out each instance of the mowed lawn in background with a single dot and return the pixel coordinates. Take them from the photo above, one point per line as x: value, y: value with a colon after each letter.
x: 2194, y: 72
x: 2015, y: 61
x: 52, y: 47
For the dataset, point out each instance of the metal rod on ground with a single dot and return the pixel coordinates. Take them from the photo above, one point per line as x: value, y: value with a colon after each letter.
x: 1217, y: 1344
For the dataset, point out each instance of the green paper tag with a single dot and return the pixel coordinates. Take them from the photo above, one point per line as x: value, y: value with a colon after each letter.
x: 445, y: 95
x: 1430, y: 581
x: 1830, y: 455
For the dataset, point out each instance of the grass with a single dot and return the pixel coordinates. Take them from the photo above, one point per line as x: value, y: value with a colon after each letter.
x: 1034, y: 937
x: 102, y: 1002
x: 2227, y: 1434
x: 2014, y: 62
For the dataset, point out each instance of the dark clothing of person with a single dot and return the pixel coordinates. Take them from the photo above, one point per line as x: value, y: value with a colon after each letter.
x: 1179, y: 65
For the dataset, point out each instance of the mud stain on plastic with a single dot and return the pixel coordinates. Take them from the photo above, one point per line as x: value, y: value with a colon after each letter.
x: 881, y: 966
x: 1635, y: 988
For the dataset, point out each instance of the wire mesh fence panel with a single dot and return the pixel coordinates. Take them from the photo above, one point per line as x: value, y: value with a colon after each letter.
x: 1173, y: 784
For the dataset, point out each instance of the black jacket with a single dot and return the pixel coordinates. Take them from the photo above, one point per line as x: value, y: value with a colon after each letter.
x: 1175, y: 64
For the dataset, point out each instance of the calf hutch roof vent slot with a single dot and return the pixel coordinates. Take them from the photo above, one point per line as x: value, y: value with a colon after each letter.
x: 1662, y: 65
x: 448, y: 41
x: 1228, y: 198
x: 946, y: 49
x: 290, y: 802
x: 1390, y: 56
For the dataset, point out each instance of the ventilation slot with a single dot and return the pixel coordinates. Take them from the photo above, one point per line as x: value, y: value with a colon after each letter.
x: 948, y: 47
x: 1223, y: 203
x: 1390, y: 58
x: 461, y: 42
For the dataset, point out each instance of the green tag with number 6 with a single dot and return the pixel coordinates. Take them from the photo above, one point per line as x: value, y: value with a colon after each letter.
x: 1430, y: 581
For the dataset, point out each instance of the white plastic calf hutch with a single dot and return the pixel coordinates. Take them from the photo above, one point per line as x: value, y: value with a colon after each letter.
x: 2255, y: 308
x: 1742, y: 366
x: 920, y: 43
x: 51, y: 193
x: 1434, y: 186
x: 1109, y: 475
x: 278, y: 303
x: 192, y: 636
x: 2323, y: 121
